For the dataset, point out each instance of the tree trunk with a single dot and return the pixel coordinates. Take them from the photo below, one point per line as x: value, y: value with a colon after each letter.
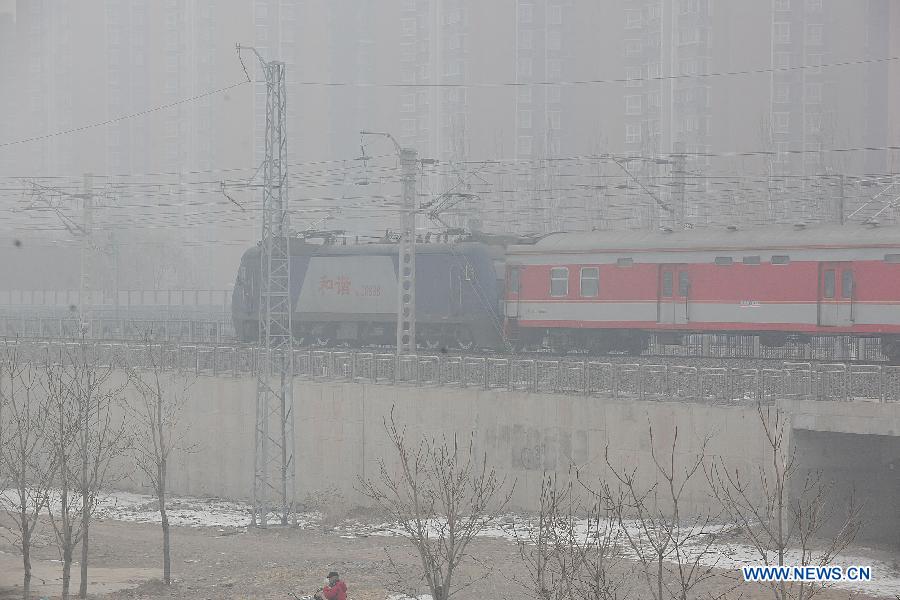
x: 85, y: 519
x: 67, y: 571
x: 167, y: 564
x: 26, y: 563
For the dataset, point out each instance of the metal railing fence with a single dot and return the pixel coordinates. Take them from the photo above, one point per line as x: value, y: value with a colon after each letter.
x: 655, y: 382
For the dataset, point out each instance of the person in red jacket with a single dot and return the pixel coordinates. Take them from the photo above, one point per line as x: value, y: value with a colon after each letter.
x: 334, y: 589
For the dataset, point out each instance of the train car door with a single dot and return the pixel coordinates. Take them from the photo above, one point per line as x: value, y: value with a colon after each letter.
x: 837, y: 289
x: 673, y: 294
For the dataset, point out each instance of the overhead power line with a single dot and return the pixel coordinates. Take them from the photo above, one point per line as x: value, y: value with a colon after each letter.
x: 148, y: 111
x: 577, y: 82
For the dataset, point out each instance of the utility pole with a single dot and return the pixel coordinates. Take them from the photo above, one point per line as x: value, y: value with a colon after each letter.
x: 842, y: 199
x: 87, y: 221
x: 274, y: 451
x: 406, y: 259
x: 406, y: 290
x: 678, y: 173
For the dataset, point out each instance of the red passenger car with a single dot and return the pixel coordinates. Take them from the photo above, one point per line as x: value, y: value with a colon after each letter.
x: 609, y: 290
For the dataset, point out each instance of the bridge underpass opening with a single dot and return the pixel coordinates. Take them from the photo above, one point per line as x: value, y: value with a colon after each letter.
x: 864, y: 467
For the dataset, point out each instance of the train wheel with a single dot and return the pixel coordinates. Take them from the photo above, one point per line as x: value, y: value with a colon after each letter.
x: 323, y: 341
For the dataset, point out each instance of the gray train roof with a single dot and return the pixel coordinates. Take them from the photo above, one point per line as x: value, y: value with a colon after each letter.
x: 821, y: 236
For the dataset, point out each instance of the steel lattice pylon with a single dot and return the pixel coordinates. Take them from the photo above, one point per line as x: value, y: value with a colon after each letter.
x: 274, y: 453
x: 406, y: 266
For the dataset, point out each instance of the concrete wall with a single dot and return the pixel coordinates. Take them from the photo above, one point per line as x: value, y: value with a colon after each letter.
x: 340, y: 435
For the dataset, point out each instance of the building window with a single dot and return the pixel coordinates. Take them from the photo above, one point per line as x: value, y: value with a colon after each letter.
x: 632, y: 47
x: 524, y: 119
x: 813, y: 5
x: 555, y: 118
x: 782, y: 60
x: 813, y: 123
x: 633, y: 77
x: 554, y: 94
x: 781, y: 33
x: 632, y: 133
x: 408, y: 103
x: 526, y: 39
x: 782, y: 93
x: 814, y: 64
x: 782, y: 122
x: 782, y: 5
x: 814, y: 33
x: 813, y: 93
x: 554, y: 68
x: 590, y: 282
x: 524, y: 95
x: 554, y: 40
x: 525, y: 67
x: 526, y: 13
x: 559, y: 282
x: 524, y: 145
x: 556, y: 15
x: 633, y: 104
x: 633, y: 19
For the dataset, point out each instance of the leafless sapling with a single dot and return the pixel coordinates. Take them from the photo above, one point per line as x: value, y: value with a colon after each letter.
x: 674, y: 548
x: 442, y: 495
x: 27, y: 469
x: 89, y: 437
x: 156, y: 409
x: 571, y: 549
x: 780, y: 528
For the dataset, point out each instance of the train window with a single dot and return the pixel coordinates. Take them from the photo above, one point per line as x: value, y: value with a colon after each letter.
x: 667, y: 284
x: 684, y: 283
x: 724, y: 260
x: 514, y: 281
x: 470, y: 273
x: 590, y: 282
x: 892, y: 258
x: 780, y: 259
x: 559, y: 281
x: 828, y: 284
x: 751, y: 260
x: 625, y: 262
x: 847, y: 284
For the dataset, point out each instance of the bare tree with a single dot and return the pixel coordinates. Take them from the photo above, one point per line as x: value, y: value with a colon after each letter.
x: 27, y: 468
x: 572, y: 550
x: 88, y: 439
x: 156, y: 411
x: 441, y: 496
x: 774, y: 523
x: 674, y: 550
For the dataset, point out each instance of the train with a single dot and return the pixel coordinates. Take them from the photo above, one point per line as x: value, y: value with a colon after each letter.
x: 599, y: 291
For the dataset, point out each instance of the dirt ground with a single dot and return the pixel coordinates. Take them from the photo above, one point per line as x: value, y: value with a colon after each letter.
x: 231, y: 563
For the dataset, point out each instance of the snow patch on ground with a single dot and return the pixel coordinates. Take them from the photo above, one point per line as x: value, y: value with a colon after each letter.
x: 198, y: 512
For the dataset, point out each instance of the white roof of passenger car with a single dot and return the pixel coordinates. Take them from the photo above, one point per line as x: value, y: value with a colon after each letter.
x: 716, y: 238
